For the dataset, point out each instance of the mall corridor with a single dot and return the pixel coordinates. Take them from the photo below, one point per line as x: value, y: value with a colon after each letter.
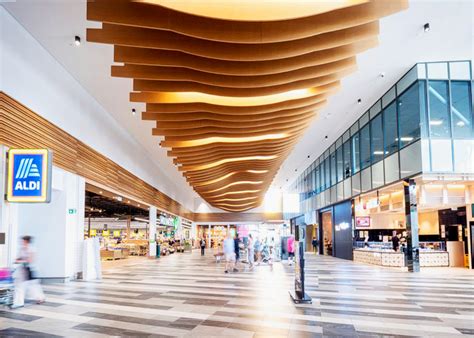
x: 188, y: 295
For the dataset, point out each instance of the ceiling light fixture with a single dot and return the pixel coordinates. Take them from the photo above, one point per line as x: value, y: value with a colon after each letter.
x: 359, y: 101
x: 382, y: 75
x: 426, y: 27
x: 134, y: 112
x: 77, y: 40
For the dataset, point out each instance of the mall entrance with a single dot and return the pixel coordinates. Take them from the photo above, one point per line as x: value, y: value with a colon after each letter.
x: 326, y: 235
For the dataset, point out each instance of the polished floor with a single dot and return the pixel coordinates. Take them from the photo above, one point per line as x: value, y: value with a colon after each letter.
x: 187, y: 295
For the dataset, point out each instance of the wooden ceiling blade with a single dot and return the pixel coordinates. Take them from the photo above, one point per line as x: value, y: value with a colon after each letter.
x: 180, y: 86
x: 166, y: 40
x: 156, y: 57
x: 187, y: 107
x: 141, y: 72
x: 158, y: 17
x: 242, y: 123
x: 256, y: 102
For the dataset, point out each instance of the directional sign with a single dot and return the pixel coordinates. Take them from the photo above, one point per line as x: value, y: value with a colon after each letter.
x: 29, y: 175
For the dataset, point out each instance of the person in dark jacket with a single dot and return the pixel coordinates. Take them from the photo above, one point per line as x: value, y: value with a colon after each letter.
x: 203, y: 246
x: 315, y: 244
x: 237, y: 251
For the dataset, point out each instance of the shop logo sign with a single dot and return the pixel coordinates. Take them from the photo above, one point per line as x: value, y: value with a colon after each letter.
x: 29, y: 175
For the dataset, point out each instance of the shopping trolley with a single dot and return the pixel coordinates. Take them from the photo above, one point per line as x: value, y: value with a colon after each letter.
x: 6, y: 287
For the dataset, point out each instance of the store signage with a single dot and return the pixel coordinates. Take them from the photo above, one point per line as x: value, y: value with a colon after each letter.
x: 93, y: 232
x: 116, y: 233
x: 105, y: 233
x: 29, y: 175
x: 362, y: 221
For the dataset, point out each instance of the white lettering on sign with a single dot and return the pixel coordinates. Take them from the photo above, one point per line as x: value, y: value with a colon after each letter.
x: 32, y: 185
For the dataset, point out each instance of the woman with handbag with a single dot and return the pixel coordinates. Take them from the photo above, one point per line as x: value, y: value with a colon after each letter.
x: 25, y: 281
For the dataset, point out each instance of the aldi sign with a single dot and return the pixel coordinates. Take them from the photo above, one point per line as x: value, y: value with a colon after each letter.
x: 29, y: 175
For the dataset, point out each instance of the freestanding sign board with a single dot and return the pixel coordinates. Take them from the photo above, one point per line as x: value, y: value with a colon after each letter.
x: 299, y: 231
x: 29, y: 176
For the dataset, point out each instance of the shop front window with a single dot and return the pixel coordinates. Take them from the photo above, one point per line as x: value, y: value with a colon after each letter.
x: 439, y: 109
x: 390, y: 129
x: 356, y: 153
x: 376, y: 138
x: 461, y: 109
x: 318, y: 182
x: 410, y: 106
x: 365, y: 147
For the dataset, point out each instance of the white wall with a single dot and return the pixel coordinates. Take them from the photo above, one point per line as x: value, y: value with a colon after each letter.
x: 32, y: 76
x: 57, y: 234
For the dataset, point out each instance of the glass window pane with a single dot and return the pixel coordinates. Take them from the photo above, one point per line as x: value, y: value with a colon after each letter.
x: 340, y: 164
x: 410, y: 104
x: 347, y: 159
x: 318, y: 183
x: 390, y: 128
x: 376, y: 141
x: 460, y: 109
x: 327, y: 179
x: 365, y: 147
x: 439, y: 109
x: 355, y: 153
x: 333, y: 168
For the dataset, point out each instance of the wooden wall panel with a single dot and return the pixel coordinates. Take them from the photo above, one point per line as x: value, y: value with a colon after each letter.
x: 20, y: 127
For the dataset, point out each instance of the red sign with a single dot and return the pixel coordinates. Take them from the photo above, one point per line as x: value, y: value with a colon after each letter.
x: 362, y: 221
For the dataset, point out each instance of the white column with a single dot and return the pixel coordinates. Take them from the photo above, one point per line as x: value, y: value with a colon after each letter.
x: 4, y: 248
x: 152, y: 232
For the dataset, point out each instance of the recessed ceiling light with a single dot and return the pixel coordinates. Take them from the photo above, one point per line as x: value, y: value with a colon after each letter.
x: 134, y: 112
x: 308, y: 156
x: 359, y: 101
x: 382, y: 75
x: 100, y: 192
x: 77, y: 40
x: 426, y: 27
x: 326, y: 137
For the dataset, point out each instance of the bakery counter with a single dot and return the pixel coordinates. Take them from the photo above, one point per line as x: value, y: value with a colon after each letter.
x: 428, y: 258
x: 379, y: 257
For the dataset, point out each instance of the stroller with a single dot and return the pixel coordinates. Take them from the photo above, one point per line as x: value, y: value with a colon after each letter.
x: 6, y: 287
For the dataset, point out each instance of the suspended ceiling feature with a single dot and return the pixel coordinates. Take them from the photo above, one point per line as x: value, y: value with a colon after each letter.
x: 231, y: 95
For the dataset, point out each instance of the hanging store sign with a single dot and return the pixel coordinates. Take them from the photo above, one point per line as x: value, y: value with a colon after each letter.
x: 29, y: 175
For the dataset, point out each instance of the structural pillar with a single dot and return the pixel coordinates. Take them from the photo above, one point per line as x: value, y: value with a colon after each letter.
x: 152, y: 232
x: 129, y: 221
x: 412, y: 253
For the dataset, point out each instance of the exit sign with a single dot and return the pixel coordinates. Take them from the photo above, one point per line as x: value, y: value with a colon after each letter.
x: 72, y: 211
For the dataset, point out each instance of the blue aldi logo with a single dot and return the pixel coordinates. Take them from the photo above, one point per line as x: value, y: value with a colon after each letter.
x: 29, y: 175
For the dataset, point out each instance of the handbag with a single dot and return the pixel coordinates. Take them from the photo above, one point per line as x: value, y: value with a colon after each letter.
x: 29, y: 273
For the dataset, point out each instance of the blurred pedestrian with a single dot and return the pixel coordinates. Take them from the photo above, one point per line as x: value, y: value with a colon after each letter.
x: 203, y: 246
x: 236, y: 251
x: 26, y: 282
x: 250, y: 251
x: 315, y: 244
x: 229, y: 254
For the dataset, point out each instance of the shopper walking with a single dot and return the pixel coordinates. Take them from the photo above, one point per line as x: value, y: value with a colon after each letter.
x: 229, y: 254
x: 25, y: 280
x: 291, y: 249
x: 237, y: 252
x: 315, y: 244
x: 258, y: 250
x: 203, y: 246
x: 250, y: 251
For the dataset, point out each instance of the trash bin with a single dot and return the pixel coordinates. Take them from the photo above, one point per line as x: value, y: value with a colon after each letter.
x: 158, y: 250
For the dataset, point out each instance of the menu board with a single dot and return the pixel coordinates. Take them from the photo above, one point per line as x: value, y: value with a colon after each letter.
x: 362, y: 221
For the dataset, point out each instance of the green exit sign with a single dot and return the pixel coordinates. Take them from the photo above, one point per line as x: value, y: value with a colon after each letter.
x: 72, y: 211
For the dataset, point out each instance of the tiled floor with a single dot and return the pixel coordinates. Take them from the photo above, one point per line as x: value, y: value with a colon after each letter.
x: 189, y: 295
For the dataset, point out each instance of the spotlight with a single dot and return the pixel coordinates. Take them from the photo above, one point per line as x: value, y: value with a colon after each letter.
x: 134, y: 112
x: 359, y: 101
x: 426, y: 27
x: 308, y: 156
x: 382, y: 75
x: 77, y: 40
x: 326, y: 137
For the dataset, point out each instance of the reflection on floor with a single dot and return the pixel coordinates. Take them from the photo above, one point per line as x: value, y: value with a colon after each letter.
x: 189, y: 295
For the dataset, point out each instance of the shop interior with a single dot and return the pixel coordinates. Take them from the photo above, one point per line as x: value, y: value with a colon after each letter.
x: 122, y: 227
x: 327, y: 232
x: 442, y: 224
